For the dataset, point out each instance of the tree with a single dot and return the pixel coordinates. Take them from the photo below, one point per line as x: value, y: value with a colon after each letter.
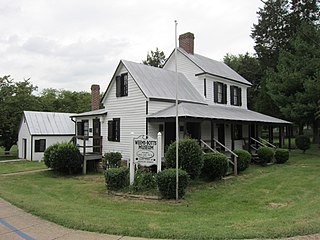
x: 249, y: 67
x: 15, y: 97
x: 295, y: 83
x: 155, y: 58
x: 53, y: 100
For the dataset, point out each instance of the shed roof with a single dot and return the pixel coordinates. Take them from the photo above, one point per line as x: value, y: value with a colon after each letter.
x: 214, y: 67
x: 160, y: 84
x: 49, y: 123
x: 216, y: 112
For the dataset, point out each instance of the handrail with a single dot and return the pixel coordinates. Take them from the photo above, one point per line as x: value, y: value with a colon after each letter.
x: 268, y: 143
x: 258, y: 142
x: 207, y: 145
x: 254, y: 148
x: 230, y: 151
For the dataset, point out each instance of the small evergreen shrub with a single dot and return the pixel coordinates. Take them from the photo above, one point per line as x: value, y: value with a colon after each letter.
x: 144, y: 181
x: 111, y: 160
x: 190, y: 156
x: 281, y: 155
x: 63, y: 158
x: 166, y: 181
x: 303, y: 142
x: 265, y: 154
x: 117, y: 178
x: 215, y: 165
x: 244, y: 158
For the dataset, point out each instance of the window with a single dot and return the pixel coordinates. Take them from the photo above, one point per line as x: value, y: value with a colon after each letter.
x: 40, y: 145
x: 83, y: 128
x: 122, y: 85
x: 235, y: 95
x: 220, y: 92
x: 114, y: 130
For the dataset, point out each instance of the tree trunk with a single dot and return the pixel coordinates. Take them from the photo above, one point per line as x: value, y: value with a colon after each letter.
x: 316, y: 137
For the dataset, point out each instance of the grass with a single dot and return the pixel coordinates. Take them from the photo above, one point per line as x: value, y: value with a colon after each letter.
x: 263, y: 202
x: 22, y: 166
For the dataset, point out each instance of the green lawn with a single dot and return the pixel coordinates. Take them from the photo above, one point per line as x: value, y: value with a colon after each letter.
x: 12, y: 167
x: 263, y: 202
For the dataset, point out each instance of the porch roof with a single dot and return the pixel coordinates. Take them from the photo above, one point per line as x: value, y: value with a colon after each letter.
x: 98, y: 112
x: 216, y: 112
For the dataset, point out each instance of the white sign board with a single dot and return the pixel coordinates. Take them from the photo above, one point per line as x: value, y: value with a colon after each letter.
x: 145, y: 151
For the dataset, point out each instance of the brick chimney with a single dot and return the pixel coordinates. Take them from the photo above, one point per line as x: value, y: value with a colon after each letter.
x: 186, y: 41
x: 95, y: 97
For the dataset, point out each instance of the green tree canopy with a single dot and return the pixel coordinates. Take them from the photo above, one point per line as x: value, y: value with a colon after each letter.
x: 15, y: 97
x: 155, y: 58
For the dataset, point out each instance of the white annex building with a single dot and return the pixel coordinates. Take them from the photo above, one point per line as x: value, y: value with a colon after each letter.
x: 140, y: 99
x: 39, y: 130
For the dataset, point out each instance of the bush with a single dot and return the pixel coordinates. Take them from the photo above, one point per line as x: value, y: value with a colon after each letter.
x: 166, y: 181
x: 303, y: 142
x: 117, y: 178
x: 63, y: 158
x: 281, y: 155
x: 244, y: 158
x: 111, y: 160
x: 144, y: 181
x: 265, y: 154
x: 190, y: 156
x: 215, y: 165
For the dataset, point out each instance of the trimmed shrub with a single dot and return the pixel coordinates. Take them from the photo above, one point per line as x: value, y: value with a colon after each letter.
x: 166, y: 181
x: 190, y: 156
x: 303, y: 142
x: 244, y: 158
x: 47, y: 153
x: 111, y: 160
x: 144, y: 181
x: 215, y: 165
x: 281, y: 155
x: 117, y: 178
x: 64, y: 158
x: 265, y: 154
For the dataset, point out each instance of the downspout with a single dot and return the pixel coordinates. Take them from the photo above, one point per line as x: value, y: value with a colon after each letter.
x: 31, y: 146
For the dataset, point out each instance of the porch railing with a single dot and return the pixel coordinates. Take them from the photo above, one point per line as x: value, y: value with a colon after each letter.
x: 235, y: 156
x: 258, y: 142
x: 208, y: 146
x: 267, y: 143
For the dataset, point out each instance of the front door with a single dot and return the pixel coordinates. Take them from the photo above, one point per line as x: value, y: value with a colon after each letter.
x: 96, y: 136
x: 193, y: 130
x: 24, y: 147
x: 221, y: 135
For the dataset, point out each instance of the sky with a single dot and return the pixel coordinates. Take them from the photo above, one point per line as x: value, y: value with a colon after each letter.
x: 71, y: 44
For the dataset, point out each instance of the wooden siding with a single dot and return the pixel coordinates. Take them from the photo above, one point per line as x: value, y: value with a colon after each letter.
x: 24, y: 134
x: 130, y: 109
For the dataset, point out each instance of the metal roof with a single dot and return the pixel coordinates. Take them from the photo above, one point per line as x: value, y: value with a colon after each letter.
x: 216, y: 112
x: 49, y: 123
x: 98, y: 112
x: 214, y: 67
x: 160, y: 84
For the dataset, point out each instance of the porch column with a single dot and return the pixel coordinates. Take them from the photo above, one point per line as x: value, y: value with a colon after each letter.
x: 288, y: 130
x: 212, y: 135
x: 270, y: 134
x: 256, y: 134
x: 249, y: 137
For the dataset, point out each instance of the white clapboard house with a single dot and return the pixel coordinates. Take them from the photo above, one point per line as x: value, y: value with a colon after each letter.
x: 39, y: 130
x: 140, y: 100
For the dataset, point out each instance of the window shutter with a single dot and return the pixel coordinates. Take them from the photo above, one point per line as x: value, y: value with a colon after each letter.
x: 110, y: 130
x: 124, y: 81
x: 79, y: 129
x: 239, y: 97
x: 215, y: 89
x: 232, y: 95
x: 225, y: 93
x: 118, y: 86
x: 205, y: 87
x: 116, y: 129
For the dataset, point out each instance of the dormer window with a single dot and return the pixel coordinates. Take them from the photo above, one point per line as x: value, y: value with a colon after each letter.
x: 122, y: 85
x: 235, y: 95
x: 220, y: 92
